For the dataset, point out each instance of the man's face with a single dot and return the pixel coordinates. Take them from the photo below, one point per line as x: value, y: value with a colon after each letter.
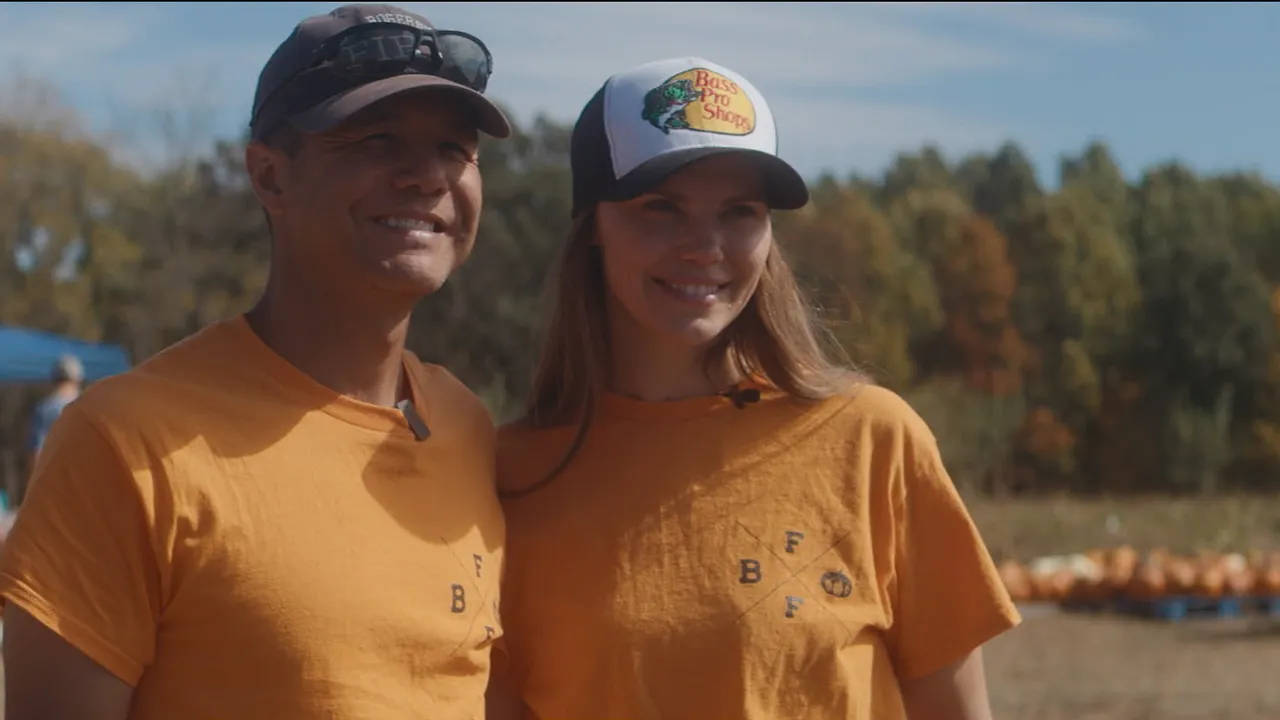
x: 390, y: 198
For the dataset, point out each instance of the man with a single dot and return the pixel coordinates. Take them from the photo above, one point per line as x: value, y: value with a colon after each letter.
x: 287, y: 515
x: 67, y: 376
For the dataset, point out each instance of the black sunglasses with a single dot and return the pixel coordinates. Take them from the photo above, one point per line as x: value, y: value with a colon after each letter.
x: 374, y: 51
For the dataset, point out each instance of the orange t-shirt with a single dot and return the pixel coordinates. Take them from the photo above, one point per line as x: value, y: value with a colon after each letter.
x: 237, y: 541
x: 697, y: 560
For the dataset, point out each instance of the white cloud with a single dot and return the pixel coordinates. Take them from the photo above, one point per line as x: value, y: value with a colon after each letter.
x: 155, y: 88
x: 826, y: 46
x: 1046, y: 20
x: 837, y: 136
x: 55, y: 38
x: 818, y: 63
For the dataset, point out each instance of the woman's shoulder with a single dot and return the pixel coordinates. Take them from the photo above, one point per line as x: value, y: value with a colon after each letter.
x: 522, y: 430
x: 884, y: 413
x: 527, y: 454
x: 879, y: 403
x: 521, y: 439
x: 514, y: 433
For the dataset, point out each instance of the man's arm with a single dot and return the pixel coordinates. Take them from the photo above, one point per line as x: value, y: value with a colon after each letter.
x: 956, y: 692
x: 45, y: 678
x: 80, y: 580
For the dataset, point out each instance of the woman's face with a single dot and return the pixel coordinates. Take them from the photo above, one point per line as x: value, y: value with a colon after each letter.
x: 682, y: 261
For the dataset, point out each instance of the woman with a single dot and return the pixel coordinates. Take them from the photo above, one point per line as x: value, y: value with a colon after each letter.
x: 707, y: 518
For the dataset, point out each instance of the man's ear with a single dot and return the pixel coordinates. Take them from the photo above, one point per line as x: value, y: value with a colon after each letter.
x: 268, y: 170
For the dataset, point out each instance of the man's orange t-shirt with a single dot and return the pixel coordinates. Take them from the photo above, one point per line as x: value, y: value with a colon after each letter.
x: 697, y: 560
x: 236, y: 541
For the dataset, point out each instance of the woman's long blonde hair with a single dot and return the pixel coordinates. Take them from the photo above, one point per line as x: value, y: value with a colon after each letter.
x: 777, y: 337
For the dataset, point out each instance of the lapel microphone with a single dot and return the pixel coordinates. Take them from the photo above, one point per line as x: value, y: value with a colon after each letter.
x: 416, y: 423
x: 741, y: 397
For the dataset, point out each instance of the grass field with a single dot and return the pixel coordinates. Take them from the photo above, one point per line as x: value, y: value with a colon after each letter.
x: 1070, y: 667
x: 1025, y: 529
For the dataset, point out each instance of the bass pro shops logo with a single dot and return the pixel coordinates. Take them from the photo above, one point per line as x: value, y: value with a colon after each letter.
x: 700, y: 100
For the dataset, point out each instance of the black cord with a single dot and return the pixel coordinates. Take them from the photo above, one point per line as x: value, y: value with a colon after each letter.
x: 741, y: 397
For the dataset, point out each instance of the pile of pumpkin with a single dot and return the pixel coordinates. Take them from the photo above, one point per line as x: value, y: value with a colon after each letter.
x: 1123, y: 572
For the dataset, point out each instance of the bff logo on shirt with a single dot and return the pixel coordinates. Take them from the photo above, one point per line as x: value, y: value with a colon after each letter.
x: 837, y: 584
x: 778, y: 565
x: 471, y: 597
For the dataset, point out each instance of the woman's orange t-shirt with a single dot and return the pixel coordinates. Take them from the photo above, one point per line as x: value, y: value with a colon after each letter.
x: 699, y: 560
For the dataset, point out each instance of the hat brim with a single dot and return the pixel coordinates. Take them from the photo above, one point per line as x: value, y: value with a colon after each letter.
x: 337, y: 109
x: 785, y: 189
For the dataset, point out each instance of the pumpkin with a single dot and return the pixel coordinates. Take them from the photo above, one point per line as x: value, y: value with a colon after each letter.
x: 1121, y: 564
x: 1267, y: 580
x: 1210, y: 581
x: 1089, y: 576
x: 1016, y: 579
x: 1180, y: 574
x: 1061, y: 584
x: 1148, y: 581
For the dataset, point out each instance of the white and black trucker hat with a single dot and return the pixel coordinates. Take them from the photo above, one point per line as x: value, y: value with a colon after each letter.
x: 648, y: 122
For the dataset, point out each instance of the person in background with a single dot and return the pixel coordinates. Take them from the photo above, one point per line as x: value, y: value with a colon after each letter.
x: 288, y: 516
x: 706, y: 516
x: 67, y: 377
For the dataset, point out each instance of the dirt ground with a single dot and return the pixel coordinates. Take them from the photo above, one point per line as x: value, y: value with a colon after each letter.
x: 1059, y: 666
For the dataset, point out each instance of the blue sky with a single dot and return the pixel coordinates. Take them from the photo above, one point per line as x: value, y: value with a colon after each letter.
x: 851, y: 84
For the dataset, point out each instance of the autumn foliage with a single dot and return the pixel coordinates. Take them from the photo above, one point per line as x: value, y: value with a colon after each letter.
x: 978, y: 284
x: 1103, y: 336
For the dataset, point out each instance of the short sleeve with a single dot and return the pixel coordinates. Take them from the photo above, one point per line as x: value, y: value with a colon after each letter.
x: 80, y: 556
x: 949, y: 598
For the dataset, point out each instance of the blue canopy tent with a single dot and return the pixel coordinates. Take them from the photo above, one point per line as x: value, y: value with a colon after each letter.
x: 28, y: 356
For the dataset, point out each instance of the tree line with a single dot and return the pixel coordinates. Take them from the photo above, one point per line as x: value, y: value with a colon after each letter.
x: 1106, y: 336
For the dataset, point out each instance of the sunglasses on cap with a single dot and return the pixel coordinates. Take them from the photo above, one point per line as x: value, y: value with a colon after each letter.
x: 375, y: 51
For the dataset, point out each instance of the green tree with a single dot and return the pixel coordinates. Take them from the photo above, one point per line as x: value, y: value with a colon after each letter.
x: 1207, y: 328
x: 878, y: 297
